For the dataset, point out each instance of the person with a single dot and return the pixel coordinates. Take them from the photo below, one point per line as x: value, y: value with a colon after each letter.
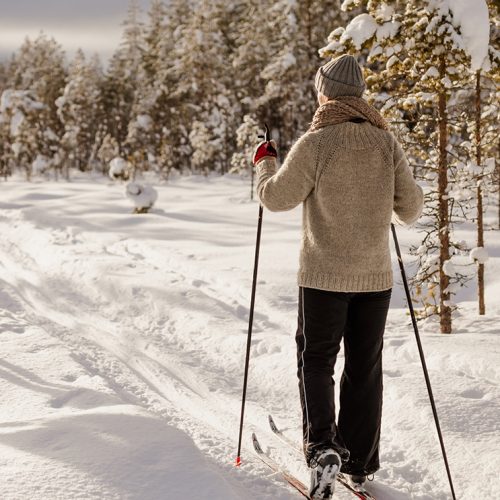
x: 352, y: 176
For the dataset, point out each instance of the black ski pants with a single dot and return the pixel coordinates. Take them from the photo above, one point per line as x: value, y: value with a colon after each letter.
x: 324, y: 319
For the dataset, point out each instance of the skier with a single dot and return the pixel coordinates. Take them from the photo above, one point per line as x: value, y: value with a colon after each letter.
x: 352, y: 177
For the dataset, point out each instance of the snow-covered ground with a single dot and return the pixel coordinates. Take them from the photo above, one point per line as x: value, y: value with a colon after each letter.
x: 122, y: 348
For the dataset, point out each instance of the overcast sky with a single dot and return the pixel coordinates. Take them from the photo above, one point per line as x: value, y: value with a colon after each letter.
x: 93, y: 25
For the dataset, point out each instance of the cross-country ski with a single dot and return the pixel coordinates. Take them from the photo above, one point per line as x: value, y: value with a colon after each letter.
x: 360, y: 491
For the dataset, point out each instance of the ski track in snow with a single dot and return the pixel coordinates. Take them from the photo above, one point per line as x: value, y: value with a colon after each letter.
x: 124, y: 340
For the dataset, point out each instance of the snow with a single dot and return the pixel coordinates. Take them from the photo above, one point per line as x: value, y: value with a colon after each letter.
x: 5, y: 100
x: 474, y: 169
x: 144, y: 121
x: 12, y: 99
x: 119, y: 168
x: 16, y: 122
x: 39, y: 164
x: 387, y: 30
x: 142, y: 196
x: 123, y: 341
x: 432, y: 72
x: 16, y: 148
x: 288, y: 60
x: 473, y: 19
x: 360, y: 29
x: 479, y: 255
x: 392, y: 61
x: 346, y: 5
x: 386, y: 11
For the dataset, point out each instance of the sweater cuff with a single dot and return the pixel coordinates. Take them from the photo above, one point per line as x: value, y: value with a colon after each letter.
x: 267, y: 165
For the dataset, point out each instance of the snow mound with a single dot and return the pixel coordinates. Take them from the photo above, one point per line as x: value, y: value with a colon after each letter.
x: 142, y: 196
x: 119, y: 168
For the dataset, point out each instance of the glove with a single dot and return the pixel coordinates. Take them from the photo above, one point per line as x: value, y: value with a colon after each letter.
x: 265, y: 149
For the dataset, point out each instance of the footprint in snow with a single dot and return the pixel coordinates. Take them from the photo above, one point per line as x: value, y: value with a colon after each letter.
x: 472, y: 394
x: 395, y: 342
x: 199, y: 283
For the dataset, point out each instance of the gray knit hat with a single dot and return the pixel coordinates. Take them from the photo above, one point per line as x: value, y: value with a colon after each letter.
x: 341, y: 76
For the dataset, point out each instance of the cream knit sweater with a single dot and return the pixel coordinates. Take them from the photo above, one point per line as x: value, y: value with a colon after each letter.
x: 350, y: 177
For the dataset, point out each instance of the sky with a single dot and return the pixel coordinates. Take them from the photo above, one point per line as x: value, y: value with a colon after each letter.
x: 93, y: 25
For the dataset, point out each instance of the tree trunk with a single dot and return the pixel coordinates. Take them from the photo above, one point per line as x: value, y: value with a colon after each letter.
x: 480, y: 229
x: 252, y: 181
x: 498, y: 181
x: 443, y: 217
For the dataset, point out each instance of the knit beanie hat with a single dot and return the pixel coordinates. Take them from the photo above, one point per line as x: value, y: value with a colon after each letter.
x: 341, y: 76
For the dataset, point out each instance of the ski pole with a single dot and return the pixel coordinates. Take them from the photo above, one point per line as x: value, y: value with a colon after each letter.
x: 422, y: 358
x: 250, y: 321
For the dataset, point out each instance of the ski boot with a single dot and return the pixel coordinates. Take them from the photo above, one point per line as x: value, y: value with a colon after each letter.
x: 325, y: 465
x: 357, y: 480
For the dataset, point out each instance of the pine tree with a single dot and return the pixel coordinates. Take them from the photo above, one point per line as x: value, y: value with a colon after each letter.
x: 107, y: 151
x: 3, y: 77
x: 119, y: 86
x: 39, y: 67
x: 38, y: 70
x: 19, y: 117
x: 297, y: 30
x: 483, y: 132
x: 146, y: 129
x: 78, y: 110
x: 420, y: 61
x: 203, y: 90
x: 159, y: 96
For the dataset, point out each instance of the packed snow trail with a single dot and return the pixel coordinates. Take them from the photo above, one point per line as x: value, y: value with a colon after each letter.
x: 123, y: 340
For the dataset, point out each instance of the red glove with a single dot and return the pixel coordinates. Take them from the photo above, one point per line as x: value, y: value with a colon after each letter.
x: 264, y: 149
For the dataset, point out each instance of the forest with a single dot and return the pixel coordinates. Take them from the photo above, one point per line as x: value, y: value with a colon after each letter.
x: 192, y: 84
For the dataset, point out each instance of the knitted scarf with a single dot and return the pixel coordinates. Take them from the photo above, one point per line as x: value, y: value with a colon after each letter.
x: 345, y: 108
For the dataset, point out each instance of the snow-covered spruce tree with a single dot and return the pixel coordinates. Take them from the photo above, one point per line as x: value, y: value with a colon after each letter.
x: 473, y: 132
x: 480, y: 166
x: 275, y: 60
x: 485, y: 60
x: 3, y: 77
x: 147, y: 125
x: 204, y: 89
x: 420, y: 59
x: 297, y: 29
x: 491, y: 114
x: 120, y: 82
x: 6, y: 152
x: 246, y: 136
x: 108, y: 150
x: 19, y: 114
x: 38, y: 68
x: 203, y: 147
x: 79, y: 111
x: 253, y: 47
x: 163, y: 97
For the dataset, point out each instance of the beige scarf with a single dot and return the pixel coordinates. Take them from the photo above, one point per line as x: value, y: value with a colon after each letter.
x: 345, y: 108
